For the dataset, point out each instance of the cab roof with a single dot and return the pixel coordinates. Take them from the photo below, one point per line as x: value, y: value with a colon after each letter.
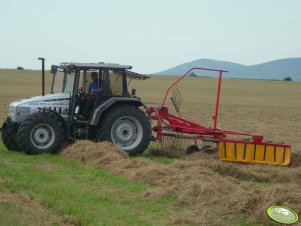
x: 94, y: 65
x: 129, y: 74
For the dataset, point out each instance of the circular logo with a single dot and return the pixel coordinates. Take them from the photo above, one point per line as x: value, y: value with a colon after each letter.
x: 282, y: 215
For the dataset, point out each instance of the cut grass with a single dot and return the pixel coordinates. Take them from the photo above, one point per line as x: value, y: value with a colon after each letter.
x: 89, y: 196
x: 16, y: 214
x: 17, y: 210
x: 158, y: 159
x: 243, y: 222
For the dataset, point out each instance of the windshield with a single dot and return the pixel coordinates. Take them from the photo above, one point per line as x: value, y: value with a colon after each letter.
x: 63, y: 82
x: 116, y: 83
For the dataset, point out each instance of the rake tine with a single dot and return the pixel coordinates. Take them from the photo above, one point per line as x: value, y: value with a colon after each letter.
x: 173, y: 101
x: 176, y: 92
x: 176, y: 89
x: 180, y: 101
x: 178, y: 95
x: 177, y: 100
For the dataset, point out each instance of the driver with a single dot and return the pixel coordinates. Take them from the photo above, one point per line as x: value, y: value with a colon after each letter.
x: 93, y: 92
x: 94, y: 87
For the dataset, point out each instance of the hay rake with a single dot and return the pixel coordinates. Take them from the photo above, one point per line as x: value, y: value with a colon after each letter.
x: 177, y: 99
x: 176, y: 132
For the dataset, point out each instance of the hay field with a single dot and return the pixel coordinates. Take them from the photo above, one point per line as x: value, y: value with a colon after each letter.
x: 194, y: 190
x: 15, y: 85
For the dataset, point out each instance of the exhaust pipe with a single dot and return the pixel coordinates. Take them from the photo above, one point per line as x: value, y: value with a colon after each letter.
x: 43, y: 75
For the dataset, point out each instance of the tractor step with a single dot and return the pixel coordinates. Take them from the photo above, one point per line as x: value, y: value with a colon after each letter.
x: 248, y: 152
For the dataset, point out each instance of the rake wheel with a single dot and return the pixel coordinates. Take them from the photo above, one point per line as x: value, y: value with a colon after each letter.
x: 192, y: 149
x: 208, y: 148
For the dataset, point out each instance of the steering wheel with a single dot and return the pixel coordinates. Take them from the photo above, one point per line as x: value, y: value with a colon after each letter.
x: 80, y: 93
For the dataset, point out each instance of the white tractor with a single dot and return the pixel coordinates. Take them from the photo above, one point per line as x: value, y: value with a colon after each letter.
x: 74, y: 110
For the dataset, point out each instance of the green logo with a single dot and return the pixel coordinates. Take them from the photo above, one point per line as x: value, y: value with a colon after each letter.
x: 282, y: 215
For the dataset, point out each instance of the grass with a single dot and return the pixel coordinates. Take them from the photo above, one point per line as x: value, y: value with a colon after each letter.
x: 243, y: 222
x: 157, y: 159
x: 16, y: 214
x: 80, y: 194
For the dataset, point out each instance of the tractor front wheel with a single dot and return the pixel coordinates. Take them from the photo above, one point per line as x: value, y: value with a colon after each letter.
x: 9, y: 135
x: 127, y: 127
x: 41, y: 133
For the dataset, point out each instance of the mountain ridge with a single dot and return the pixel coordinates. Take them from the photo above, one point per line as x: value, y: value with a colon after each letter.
x: 276, y: 69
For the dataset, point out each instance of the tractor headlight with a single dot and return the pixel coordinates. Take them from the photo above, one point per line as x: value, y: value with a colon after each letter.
x: 12, y: 116
x: 12, y: 113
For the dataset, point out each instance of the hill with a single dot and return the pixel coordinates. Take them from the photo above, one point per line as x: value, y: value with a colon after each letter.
x: 277, y: 69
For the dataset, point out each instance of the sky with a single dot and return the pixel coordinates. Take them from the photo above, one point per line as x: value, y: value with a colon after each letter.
x: 151, y: 35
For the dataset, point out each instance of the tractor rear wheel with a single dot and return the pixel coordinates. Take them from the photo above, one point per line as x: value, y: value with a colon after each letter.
x: 8, y: 136
x: 41, y: 133
x: 127, y: 127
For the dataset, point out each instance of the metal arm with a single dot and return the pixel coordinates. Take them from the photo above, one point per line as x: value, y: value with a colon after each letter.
x: 215, y: 117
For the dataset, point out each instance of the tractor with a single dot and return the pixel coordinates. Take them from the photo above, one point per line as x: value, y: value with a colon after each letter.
x: 72, y: 111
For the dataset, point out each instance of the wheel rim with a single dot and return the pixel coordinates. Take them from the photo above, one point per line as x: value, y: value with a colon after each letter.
x: 42, y: 136
x: 127, y: 132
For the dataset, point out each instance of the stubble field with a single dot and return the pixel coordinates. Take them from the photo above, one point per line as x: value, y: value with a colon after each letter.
x: 194, y: 190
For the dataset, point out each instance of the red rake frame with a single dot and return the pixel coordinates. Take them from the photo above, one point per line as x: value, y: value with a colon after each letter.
x: 229, y: 149
x: 178, y: 125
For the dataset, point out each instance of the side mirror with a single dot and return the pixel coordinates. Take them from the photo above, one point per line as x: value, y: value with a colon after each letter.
x: 53, y: 69
x: 133, y: 92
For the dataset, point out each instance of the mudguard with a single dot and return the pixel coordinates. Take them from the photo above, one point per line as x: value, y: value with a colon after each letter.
x: 109, y: 103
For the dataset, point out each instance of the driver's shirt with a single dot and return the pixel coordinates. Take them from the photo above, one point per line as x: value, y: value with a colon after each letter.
x: 94, y: 85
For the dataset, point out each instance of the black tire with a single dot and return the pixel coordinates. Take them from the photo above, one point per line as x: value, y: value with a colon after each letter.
x: 127, y: 127
x: 40, y: 127
x: 192, y: 149
x: 9, y: 137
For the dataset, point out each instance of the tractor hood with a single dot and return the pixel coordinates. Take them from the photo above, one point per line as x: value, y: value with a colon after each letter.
x: 42, y: 100
x: 20, y: 109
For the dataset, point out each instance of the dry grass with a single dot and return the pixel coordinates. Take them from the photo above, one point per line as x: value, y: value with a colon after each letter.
x: 210, y: 192
x: 29, y: 212
x: 16, y: 85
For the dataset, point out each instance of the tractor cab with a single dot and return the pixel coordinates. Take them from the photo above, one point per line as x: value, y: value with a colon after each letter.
x: 91, y: 84
x: 110, y: 77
